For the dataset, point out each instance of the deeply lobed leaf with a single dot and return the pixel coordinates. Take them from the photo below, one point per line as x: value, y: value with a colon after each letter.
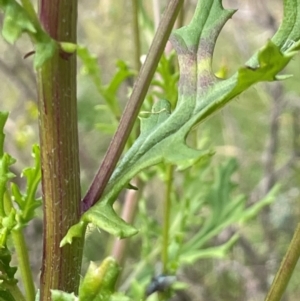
x: 200, y: 95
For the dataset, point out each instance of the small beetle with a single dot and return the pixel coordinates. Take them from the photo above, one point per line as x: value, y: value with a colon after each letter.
x: 160, y: 284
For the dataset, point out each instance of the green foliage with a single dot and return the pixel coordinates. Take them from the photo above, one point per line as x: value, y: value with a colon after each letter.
x: 200, y: 95
x: 7, y: 277
x: 166, y: 80
x: 107, y: 92
x: 209, y: 203
x: 12, y: 219
x: 62, y: 296
x: 27, y: 202
x: 97, y: 285
x: 222, y: 209
x: 6, y: 296
x: 99, y: 282
x: 18, y: 20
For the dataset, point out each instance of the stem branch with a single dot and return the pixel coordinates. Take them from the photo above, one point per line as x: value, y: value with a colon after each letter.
x: 286, y: 269
x: 133, y: 106
x: 24, y: 264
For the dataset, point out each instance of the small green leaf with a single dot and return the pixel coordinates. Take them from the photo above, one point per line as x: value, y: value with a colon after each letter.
x: 5, y: 175
x: 99, y: 282
x: 76, y: 230
x: 253, y: 210
x: 16, y: 21
x: 57, y: 295
x: 108, y: 92
x: 104, y: 217
x: 44, y: 50
x: 3, y: 118
x: 214, y: 252
x: 27, y: 202
x: 68, y: 47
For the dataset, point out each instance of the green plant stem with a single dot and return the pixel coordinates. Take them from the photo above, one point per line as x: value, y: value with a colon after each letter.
x: 286, y: 269
x: 24, y: 264
x: 136, y: 34
x: 130, y: 206
x: 23, y: 258
x: 59, y: 151
x: 27, y: 5
x: 133, y: 106
x: 166, y: 217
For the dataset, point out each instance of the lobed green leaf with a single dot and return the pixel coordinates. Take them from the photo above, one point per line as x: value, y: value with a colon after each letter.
x: 163, y: 133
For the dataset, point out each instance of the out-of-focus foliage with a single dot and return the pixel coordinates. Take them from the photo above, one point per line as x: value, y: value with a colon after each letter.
x: 14, y: 218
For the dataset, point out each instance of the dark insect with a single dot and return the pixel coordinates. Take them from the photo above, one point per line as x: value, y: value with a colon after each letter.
x: 159, y: 284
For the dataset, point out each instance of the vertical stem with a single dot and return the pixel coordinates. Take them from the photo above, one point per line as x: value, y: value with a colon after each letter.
x: 23, y: 259
x: 128, y: 214
x: 136, y: 33
x: 130, y: 206
x: 166, y: 217
x: 59, y: 151
x: 286, y: 269
x: 24, y: 264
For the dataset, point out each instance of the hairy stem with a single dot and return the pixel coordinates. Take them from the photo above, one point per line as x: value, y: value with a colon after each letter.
x: 133, y: 106
x: 59, y: 151
x: 286, y: 269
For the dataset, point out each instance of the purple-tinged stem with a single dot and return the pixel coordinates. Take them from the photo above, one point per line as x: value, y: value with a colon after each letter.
x: 59, y: 151
x: 133, y: 106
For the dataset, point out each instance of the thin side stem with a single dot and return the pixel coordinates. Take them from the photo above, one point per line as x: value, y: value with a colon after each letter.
x: 27, y: 4
x: 130, y: 206
x: 136, y: 33
x: 59, y: 152
x: 166, y: 217
x: 24, y: 264
x: 133, y: 106
x: 23, y: 257
x: 286, y: 269
x: 128, y: 214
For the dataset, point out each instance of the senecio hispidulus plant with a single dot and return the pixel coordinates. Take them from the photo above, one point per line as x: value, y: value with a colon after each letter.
x: 162, y: 139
